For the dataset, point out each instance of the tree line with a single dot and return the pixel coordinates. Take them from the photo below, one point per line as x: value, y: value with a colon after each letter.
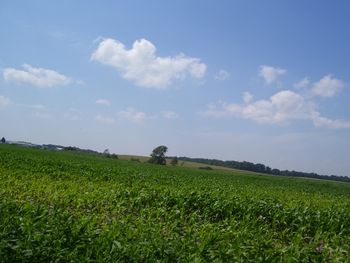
x: 261, y: 168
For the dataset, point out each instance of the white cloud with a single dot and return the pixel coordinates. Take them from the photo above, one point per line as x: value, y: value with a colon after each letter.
x: 247, y: 97
x: 39, y: 77
x: 104, y: 119
x: 133, y: 115
x: 283, y: 107
x: 304, y: 83
x: 222, y: 75
x: 141, y: 65
x: 4, y: 102
x: 169, y: 115
x: 327, y: 86
x: 270, y: 74
x: 103, y: 102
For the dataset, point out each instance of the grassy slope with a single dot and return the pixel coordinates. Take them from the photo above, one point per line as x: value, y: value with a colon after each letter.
x: 65, y: 206
x: 187, y: 164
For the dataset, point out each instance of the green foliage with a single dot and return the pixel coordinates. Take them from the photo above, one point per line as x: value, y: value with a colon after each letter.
x: 158, y: 155
x: 76, y: 207
x: 205, y: 168
x: 111, y: 156
x: 3, y: 140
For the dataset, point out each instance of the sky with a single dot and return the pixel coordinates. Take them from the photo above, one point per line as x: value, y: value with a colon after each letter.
x: 262, y: 81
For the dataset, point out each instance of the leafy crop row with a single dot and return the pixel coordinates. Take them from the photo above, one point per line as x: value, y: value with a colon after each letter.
x: 61, y: 207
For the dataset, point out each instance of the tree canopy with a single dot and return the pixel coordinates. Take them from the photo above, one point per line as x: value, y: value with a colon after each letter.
x: 158, y: 155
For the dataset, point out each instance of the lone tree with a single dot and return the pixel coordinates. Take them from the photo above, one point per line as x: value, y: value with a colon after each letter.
x: 3, y: 140
x: 158, y: 155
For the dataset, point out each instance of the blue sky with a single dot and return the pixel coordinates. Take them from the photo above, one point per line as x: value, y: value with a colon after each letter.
x: 262, y: 81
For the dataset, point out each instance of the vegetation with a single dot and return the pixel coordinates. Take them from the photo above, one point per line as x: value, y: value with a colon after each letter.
x: 3, y: 140
x: 261, y: 168
x: 205, y: 168
x: 174, y: 161
x: 68, y: 206
x: 158, y: 155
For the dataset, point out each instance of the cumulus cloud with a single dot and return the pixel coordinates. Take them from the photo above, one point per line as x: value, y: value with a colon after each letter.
x: 304, y: 83
x: 4, y: 102
x: 104, y: 119
x: 133, y: 115
x: 39, y: 77
x: 270, y: 74
x: 283, y: 107
x: 327, y: 86
x: 169, y: 115
x: 141, y: 65
x: 222, y: 75
x: 103, y: 102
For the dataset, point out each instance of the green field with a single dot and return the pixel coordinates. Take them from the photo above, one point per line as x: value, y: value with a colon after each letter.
x: 180, y: 163
x: 71, y: 207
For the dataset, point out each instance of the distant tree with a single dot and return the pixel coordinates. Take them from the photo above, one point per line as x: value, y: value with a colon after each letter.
x: 275, y: 172
x: 174, y: 161
x: 70, y: 148
x: 158, y: 155
x: 3, y: 140
x: 114, y: 156
x: 106, y: 152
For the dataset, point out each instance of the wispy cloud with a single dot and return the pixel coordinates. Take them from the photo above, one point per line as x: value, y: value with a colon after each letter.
x: 169, y: 115
x: 39, y: 77
x: 133, y: 115
x: 222, y: 75
x: 40, y: 111
x: 247, y: 97
x: 304, y: 83
x: 283, y: 107
x: 37, y: 107
x: 72, y: 114
x: 103, y: 102
x: 104, y: 119
x: 270, y: 74
x: 4, y: 101
x: 42, y: 115
x: 141, y: 65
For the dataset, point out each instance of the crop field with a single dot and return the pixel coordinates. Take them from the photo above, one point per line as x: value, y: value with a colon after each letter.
x: 71, y: 207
